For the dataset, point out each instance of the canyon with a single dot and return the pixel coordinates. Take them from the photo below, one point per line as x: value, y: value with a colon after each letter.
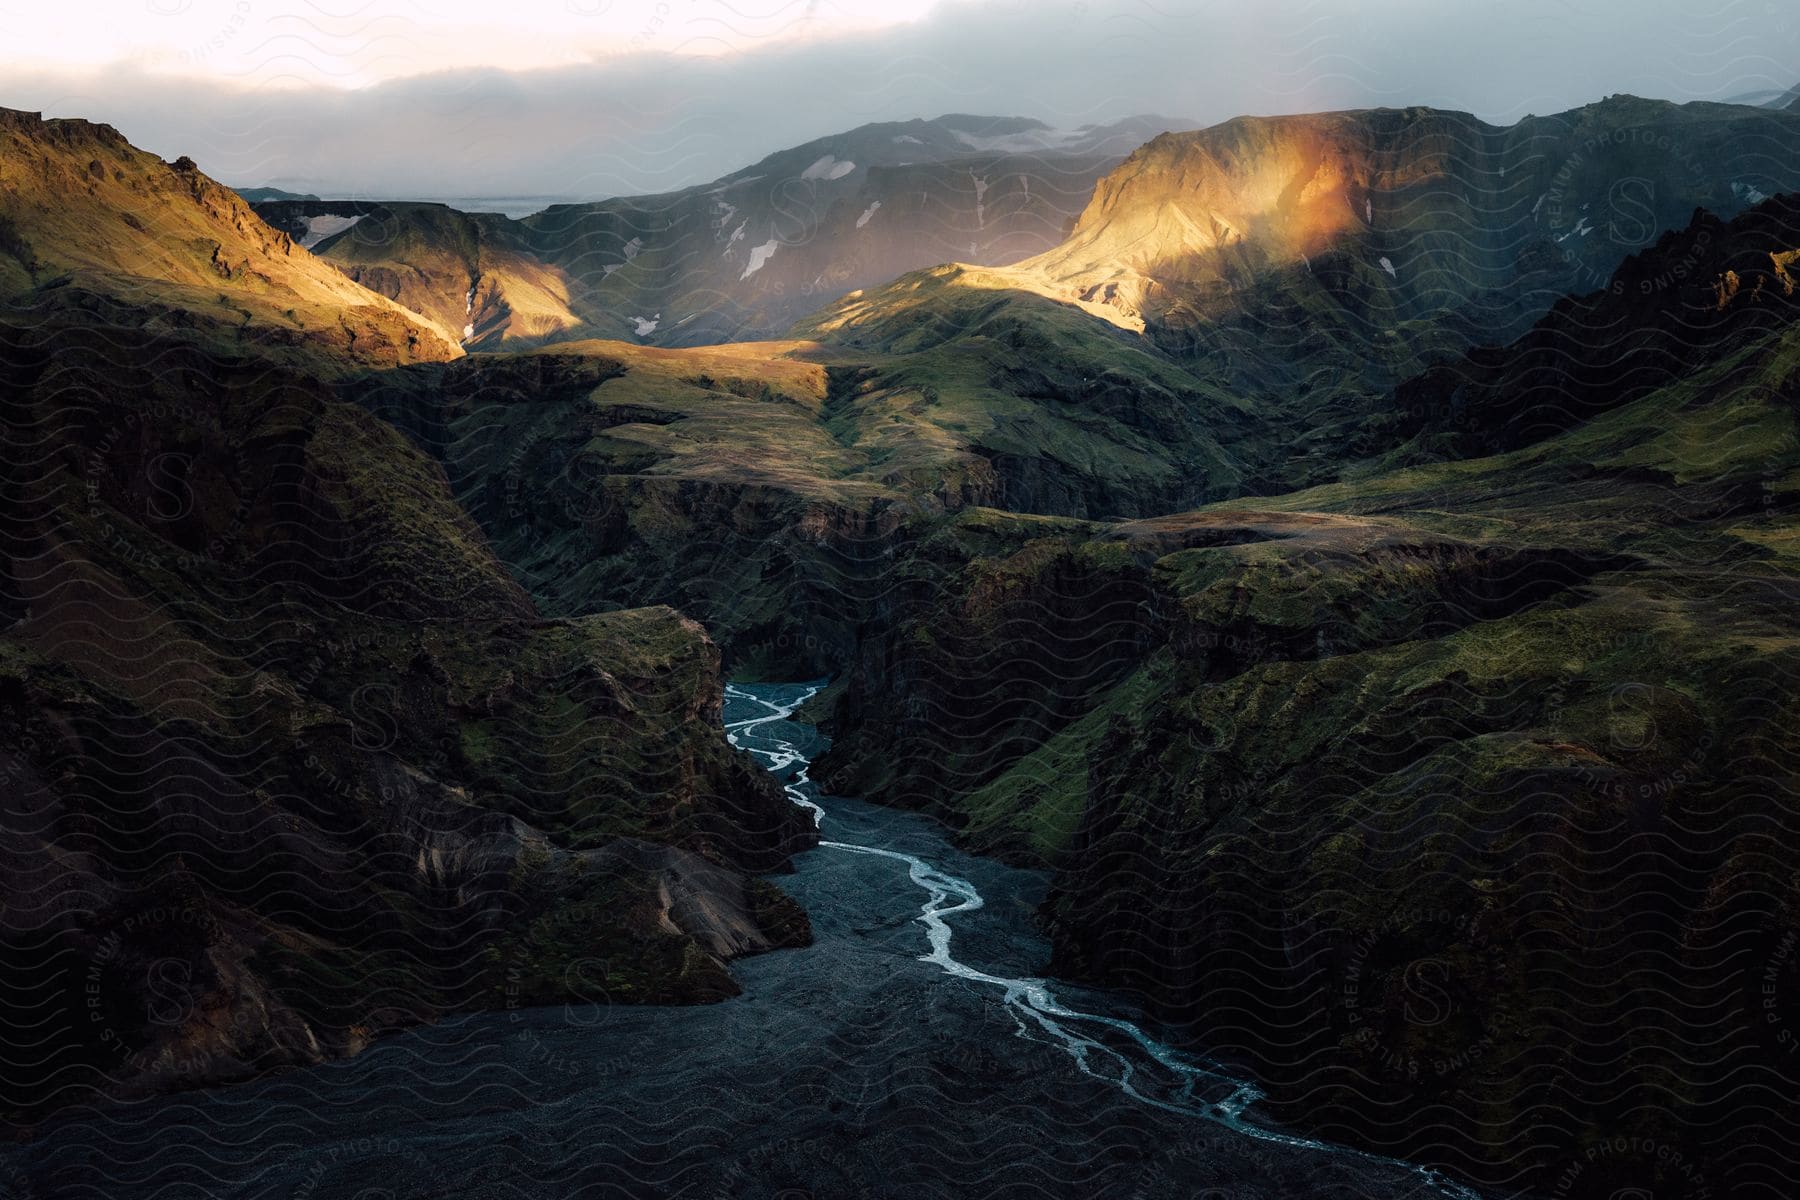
x: 1339, y: 573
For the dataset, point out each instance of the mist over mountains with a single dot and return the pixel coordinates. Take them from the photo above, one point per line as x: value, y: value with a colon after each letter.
x: 380, y: 102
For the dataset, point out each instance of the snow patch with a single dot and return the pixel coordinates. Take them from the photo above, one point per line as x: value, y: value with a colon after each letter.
x: 1018, y: 143
x: 1369, y: 211
x: 320, y: 228
x: 631, y: 250
x: 828, y: 168
x: 907, y: 139
x: 758, y: 256
x: 1747, y: 194
x: 646, y: 325
x: 1387, y: 265
x: 867, y: 213
x: 981, y: 187
x: 1582, y: 228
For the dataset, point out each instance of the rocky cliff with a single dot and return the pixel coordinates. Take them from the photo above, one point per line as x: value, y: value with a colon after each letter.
x: 290, y: 761
x: 1406, y: 792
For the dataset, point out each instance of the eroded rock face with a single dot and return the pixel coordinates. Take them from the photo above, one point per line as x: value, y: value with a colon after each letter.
x: 968, y: 691
x: 585, y: 476
x: 1673, y: 309
x: 1323, y: 787
x: 290, y: 760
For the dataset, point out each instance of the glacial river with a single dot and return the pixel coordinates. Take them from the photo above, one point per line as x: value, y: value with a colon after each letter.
x: 1101, y: 1046
x: 911, y: 1052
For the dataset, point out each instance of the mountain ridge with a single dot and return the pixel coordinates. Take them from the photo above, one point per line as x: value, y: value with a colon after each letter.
x: 741, y: 257
x: 1190, y: 214
x: 79, y: 204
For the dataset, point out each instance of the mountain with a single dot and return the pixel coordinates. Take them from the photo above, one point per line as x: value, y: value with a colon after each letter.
x: 472, y: 272
x: 1416, y: 209
x: 759, y: 486
x: 1307, y: 265
x: 1449, y: 715
x: 1384, y: 788
x: 744, y: 256
x: 82, y: 211
x: 261, y: 195
x: 289, y: 759
x: 1409, y: 212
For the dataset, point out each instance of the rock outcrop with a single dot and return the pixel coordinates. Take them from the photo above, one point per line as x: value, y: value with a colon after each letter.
x: 290, y: 761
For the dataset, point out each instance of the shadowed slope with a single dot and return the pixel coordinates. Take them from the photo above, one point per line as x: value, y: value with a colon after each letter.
x: 1457, y: 801
x: 289, y: 760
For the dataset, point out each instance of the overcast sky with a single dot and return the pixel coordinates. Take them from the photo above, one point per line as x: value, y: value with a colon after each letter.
x: 592, y: 98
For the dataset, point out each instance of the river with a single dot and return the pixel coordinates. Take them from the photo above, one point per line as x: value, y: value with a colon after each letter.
x: 909, y: 1052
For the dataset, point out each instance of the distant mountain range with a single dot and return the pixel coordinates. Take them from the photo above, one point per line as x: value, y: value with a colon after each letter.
x: 739, y: 258
x: 260, y: 195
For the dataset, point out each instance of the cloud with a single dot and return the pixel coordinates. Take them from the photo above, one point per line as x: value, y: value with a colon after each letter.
x: 655, y: 114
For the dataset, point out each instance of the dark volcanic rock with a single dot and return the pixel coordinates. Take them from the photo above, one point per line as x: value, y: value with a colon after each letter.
x: 289, y: 761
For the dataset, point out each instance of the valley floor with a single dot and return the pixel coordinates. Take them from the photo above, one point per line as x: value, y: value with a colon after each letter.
x: 850, y: 1068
